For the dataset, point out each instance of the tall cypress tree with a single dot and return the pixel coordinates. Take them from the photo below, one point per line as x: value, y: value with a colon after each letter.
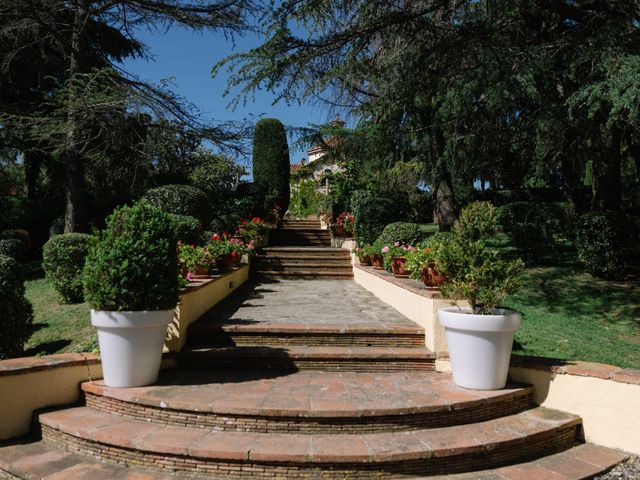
x: 271, y: 163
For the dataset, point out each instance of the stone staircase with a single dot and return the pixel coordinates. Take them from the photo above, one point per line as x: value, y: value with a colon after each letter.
x: 256, y: 396
x: 301, y: 249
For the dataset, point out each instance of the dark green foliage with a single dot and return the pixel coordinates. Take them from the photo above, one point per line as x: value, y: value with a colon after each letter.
x: 535, y: 227
x: 420, y: 207
x: 405, y: 233
x: 476, y: 221
x: 373, y: 212
x: 57, y: 226
x: 271, y: 163
x: 503, y: 197
x: 205, y: 237
x: 63, y: 258
x: 23, y: 236
x: 603, y: 241
x: 132, y: 264
x: 180, y: 200
x: 188, y: 229
x: 16, y: 314
x: 11, y: 248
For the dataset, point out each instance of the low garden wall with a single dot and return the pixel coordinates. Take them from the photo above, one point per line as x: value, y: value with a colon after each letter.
x: 33, y: 383
x: 408, y: 297
x: 605, y: 396
x: 197, y: 299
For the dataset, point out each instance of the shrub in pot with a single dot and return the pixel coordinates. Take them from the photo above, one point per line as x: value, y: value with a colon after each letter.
x: 422, y: 263
x: 480, y: 336
x: 395, y: 256
x: 131, y: 284
x: 63, y: 258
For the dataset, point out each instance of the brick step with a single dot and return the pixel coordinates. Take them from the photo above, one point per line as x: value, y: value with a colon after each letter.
x: 358, y: 359
x: 307, y: 402
x: 303, y: 275
x: 299, y: 260
x: 582, y: 462
x: 214, y: 333
x: 301, y: 250
x: 37, y: 460
x: 304, y: 267
x: 301, y: 243
x: 507, y: 440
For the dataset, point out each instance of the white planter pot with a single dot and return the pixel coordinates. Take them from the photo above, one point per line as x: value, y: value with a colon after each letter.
x: 479, y: 346
x: 131, y: 345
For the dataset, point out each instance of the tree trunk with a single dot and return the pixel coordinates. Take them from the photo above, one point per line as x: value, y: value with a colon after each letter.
x: 607, y: 184
x: 32, y: 166
x: 74, y: 169
x: 444, y: 213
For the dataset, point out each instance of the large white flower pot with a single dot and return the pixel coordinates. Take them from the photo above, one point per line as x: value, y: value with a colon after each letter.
x: 479, y: 346
x: 131, y: 345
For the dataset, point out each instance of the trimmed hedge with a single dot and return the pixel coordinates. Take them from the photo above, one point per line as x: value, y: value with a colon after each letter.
x: 23, y: 236
x: 63, y: 258
x: 188, y: 229
x: 535, y: 226
x: 16, y: 313
x: 180, y: 200
x: 132, y: 265
x: 271, y: 167
x: 405, y: 233
x: 11, y: 248
x: 373, y: 212
x: 603, y: 243
x: 476, y: 221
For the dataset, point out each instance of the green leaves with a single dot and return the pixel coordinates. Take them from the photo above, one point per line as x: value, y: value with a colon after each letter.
x: 132, y: 264
x: 63, y: 258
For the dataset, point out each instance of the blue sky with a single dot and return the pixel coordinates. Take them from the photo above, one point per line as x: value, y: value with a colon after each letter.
x: 187, y: 58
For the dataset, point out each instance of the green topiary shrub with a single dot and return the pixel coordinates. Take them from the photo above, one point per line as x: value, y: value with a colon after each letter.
x: 11, y: 248
x: 535, y: 227
x: 132, y: 264
x: 271, y: 163
x: 188, y: 229
x: 603, y: 243
x: 476, y: 221
x: 405, y: 233
x: 180, y: 200
x: 16, y: 314
x: 63, y: 258
x: 373, y: 212
x: 21, y: 235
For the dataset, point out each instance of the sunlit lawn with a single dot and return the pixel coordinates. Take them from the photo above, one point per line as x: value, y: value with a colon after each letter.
x: 58, y: 328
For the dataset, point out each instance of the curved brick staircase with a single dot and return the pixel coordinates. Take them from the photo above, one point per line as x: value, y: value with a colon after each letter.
x: 255, y: 397
x: 301, y: 249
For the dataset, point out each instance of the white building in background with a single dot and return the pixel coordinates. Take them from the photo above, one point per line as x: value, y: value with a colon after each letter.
x: 315, y: 168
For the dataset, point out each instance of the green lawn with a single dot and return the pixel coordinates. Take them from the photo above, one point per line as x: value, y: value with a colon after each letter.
x: 58, y: 328
x: 568, y: 314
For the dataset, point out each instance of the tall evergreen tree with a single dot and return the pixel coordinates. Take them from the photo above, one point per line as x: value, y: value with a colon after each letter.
x: 271, y: 162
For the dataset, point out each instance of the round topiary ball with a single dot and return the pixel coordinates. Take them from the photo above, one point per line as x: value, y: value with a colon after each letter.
x: 21, y: 235
x: 11, y: 247
x: 63, y: 258
x: 132, y: 265
x: 180, y: 200
x: 16, y: 313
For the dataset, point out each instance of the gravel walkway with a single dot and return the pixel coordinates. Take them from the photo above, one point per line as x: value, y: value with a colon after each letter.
x: 629, y: 470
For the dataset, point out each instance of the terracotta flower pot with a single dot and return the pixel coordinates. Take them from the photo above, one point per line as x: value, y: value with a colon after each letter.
x: 397, y: 267
x: 224, y: 262
x: 364, y: 259
x: 199, y: 273
x: 235, y: 260
x: 377, y: 262
x: 431, y: 278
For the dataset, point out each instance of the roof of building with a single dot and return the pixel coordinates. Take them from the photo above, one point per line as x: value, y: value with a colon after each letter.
x: 294, y: 167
